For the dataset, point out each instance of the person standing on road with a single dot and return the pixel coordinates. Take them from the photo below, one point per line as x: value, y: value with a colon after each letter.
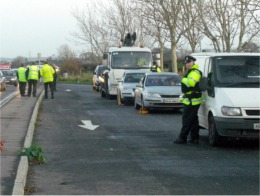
x: 22, y: 79
x: 32, y: 75
x: 47, y: 73
x: 192, y: 98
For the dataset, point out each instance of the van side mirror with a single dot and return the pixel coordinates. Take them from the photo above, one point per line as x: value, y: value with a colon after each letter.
x: 210, y: 84
x: 203, y: 84
x: 210, y: 81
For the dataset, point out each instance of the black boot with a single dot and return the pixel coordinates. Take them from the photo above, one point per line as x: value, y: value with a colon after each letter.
x: 180, y: 141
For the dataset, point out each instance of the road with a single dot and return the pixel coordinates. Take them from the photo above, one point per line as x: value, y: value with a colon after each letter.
x: 8, y: 94
x: 131, y: 153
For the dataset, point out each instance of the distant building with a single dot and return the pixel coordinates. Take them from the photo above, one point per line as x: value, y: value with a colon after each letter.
x: 5, y: 65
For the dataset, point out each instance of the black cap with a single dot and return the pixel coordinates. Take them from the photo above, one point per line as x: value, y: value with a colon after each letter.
x: 189, y: 59
x: 154, y: 63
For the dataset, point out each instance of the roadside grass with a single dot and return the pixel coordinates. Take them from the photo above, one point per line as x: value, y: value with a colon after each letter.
x: 84, y: 78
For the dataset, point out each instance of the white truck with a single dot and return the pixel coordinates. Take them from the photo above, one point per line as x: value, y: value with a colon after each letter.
x: 118, y: 60
x: 232, y: 98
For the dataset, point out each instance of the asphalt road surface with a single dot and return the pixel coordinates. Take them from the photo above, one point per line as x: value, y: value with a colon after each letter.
x: 131, y: 153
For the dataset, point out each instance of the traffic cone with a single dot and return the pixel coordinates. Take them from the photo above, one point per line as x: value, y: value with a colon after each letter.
x: 143, y: 111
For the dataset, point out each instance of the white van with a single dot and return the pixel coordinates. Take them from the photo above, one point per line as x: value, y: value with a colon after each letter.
x: 232, y: 98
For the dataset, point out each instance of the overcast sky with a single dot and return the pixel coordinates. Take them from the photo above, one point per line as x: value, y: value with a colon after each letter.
x: 29, y: 27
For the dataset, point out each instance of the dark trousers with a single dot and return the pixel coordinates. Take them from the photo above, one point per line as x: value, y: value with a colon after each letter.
x: 190, y: 122
x: 54, y: 83
x: 50, y: 85
x: 22, y: 86
x: 32, y: 84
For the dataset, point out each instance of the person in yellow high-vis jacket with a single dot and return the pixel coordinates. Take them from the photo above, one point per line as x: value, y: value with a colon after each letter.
x: 192, y: 98
x: 22, y: 79
x: 155, y: 67
x: 47, y: 73
x: 32, y: 74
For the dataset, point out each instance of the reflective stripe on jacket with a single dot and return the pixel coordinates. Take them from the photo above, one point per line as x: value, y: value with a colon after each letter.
x: 33, y: 73
x: 47, y: 73
x: 21, y: 74
x: 190, y: 87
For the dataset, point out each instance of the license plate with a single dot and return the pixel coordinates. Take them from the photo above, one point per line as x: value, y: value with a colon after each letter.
x: 256, y: 125
x: 171, y: 100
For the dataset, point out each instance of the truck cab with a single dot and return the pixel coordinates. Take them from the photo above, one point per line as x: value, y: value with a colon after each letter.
x: 118, y: 60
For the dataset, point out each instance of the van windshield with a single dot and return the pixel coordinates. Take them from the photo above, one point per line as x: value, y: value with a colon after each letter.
x: 131, y: 60
x: 237, y: 71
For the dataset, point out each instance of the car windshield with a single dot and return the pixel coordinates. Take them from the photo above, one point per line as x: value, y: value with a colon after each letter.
x: 131, y: 60
x: 9, y: 73
x: 237, y: 71
x: 163, y: 80
x: 100, y: 70
x: 133, y: 77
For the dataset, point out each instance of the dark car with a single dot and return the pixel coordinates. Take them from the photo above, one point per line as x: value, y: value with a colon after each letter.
x: 2, y: 81
x: 11, y: 77
x: 95, y: 81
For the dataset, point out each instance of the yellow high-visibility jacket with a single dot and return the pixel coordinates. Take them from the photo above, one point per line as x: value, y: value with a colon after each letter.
x: 21, y: 74
x: 47, y: 73
x: 190, y: 87
x: 33, y: 72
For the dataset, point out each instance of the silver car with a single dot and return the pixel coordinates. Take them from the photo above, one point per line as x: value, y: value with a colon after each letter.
x: 127, y: 84
x: 158, y: 90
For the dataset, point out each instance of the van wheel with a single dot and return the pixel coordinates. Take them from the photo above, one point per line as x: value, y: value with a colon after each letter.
x: 214, y: 138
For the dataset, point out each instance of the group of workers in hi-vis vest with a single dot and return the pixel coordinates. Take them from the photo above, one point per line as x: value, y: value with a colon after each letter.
x: 31, y: 76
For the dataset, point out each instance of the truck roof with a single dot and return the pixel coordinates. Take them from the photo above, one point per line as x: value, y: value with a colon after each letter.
x: 224, y: 54
x: 126, y: 49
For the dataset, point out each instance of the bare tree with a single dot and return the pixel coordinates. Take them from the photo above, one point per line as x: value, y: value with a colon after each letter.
x: 248, y: 21
x: 153, y: 27
x: 65, y: 53
x: 171, y: 14
x: 190, y: 19
x: 92, y: 30
x: 70, y: 62
x: 18, y: 61
x: 223, y: 20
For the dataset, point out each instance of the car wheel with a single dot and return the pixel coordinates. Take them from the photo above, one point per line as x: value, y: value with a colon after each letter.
x: 136, y: 105
x: 214, y: 138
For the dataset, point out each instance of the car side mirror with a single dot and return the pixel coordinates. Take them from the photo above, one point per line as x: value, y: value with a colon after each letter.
x: 139, y: 85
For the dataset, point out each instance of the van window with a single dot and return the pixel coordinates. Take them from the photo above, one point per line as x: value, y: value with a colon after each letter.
x: 236, y: 71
